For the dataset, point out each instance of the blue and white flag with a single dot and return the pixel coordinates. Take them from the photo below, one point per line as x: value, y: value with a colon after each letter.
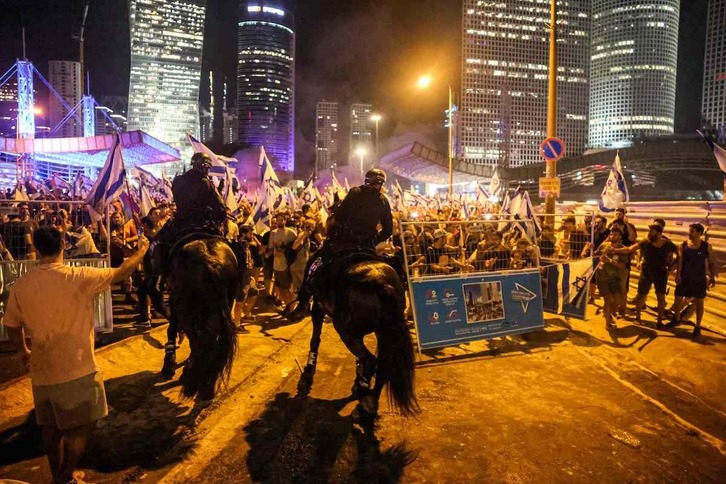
x: 109, y: 184
x: 718, y: 152
x: 145, y: 177
x: 147, y: 201
x: 338, y: 189
x: 495, y: 185
x: 568, y: 286
x: 268, y: 177
x: 615, y: 193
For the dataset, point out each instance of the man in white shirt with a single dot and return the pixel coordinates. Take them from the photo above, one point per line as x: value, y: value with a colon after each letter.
x: 53, y: 302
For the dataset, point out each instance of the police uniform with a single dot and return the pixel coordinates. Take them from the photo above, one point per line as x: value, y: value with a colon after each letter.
x: 197, y: 201
x: 357, y: 219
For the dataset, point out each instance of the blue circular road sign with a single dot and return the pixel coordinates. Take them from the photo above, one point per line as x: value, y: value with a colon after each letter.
x: 552, y: 149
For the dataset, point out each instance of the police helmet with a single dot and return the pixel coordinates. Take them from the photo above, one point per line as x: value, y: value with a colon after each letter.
x: 200, y: 160
x: 375, y: 178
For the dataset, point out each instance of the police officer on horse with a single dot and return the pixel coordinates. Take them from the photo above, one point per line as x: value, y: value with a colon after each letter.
x: 198, y: 203
x: 353, y: 225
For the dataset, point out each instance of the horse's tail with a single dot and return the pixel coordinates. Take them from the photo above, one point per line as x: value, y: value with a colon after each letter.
x: 205, y: 305
x: 396, y: 360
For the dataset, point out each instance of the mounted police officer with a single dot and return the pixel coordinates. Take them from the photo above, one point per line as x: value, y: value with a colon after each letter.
x: 353, y: 224
x: 199, y: 209
x: 198, y: 203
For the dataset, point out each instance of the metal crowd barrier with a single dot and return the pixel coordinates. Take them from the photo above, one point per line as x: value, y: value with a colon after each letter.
x: 18, y: 219
x: 10, y: 271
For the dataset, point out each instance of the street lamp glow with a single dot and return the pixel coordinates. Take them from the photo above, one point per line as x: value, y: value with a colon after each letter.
x: 361, y: 152
x: 376, y: 117
x: 424, y: 82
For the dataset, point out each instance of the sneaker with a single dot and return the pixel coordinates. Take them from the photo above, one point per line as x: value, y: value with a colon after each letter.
x: 129, y: 299
x: 143, y: 324
x: 611, y: 325
x: 660, y: 325
x: 696, y: 332
x: 241, y: 330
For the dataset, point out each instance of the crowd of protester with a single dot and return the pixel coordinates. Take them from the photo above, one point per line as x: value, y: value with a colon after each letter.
x: 438, y: 240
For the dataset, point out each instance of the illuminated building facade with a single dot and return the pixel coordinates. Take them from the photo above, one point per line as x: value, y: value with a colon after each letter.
x: 361, y: 130
x: 65, y: 77
x: 266, y: 80
x: 113, y: 107
x: 633, y: 70
x: 326, y: 134
x: 166, y: 61
x: 503, y: 108
x: 714, y: 69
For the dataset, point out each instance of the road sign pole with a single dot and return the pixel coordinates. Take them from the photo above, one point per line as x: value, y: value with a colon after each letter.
x: 552, y: 111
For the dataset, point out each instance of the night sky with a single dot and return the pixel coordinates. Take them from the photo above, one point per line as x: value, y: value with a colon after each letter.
x: 347, y: 51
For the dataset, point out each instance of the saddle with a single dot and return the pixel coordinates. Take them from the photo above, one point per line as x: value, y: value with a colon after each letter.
x: 324, y: 272
x: 169, y: 244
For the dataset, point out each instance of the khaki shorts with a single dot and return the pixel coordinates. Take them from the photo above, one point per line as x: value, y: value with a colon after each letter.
x: 71, y: 404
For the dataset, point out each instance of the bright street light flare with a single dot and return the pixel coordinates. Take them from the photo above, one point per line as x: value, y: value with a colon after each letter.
x: 424, y: 82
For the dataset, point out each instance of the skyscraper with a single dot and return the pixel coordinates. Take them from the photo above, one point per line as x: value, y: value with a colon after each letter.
x: 503, y: 109
x: 632, y: 70
x: 326, y: 134
x: 65, y: 77
x: 361, y: 130
x: 266, y: 80
x: 166, y: 61
x: 714, y: 69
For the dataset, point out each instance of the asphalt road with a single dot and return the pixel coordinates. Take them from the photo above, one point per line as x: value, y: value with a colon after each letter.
x: 573, y: 403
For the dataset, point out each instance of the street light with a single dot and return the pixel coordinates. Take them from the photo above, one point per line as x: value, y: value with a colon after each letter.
x: 376, y: 118
x: 424, y: 83
x: 361, y: 152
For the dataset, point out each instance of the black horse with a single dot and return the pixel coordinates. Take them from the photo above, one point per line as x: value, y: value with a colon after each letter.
x: 202, y: 279
x: 367, y: 297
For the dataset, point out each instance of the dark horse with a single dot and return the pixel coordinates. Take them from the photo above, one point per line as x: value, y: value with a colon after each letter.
x: 362, y: 298
x: 202, y: 279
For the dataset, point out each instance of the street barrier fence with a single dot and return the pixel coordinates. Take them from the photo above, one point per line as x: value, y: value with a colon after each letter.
x: 86, y: 246
x: 466, y: 284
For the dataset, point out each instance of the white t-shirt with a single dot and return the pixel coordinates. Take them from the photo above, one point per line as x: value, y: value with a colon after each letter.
x: 55, y: 304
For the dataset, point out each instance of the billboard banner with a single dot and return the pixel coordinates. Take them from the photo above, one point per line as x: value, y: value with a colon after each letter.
x: 459, y: 309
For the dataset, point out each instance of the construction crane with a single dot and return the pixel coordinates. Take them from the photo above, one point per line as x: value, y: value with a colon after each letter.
x: 81, y: 40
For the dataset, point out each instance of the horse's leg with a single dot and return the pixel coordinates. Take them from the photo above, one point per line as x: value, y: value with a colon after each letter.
x: 169, y: 367
x: 306, y: 381
x: 365, y: 364
x: 365, y: 369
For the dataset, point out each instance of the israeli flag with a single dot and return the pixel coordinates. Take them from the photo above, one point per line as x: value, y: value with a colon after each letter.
x: 109, y: 184
x: 495, y: 185
x: 615, y: 193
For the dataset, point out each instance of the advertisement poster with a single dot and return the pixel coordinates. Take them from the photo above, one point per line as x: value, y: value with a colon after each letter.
x: 455, y: 310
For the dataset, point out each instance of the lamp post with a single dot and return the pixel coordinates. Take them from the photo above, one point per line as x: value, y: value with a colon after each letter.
x: 376, y: 118
x: 551, y: 167
x: 424, y: 83
x: 361, y: 152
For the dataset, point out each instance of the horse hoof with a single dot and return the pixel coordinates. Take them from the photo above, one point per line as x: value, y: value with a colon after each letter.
x: 306, y: 380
